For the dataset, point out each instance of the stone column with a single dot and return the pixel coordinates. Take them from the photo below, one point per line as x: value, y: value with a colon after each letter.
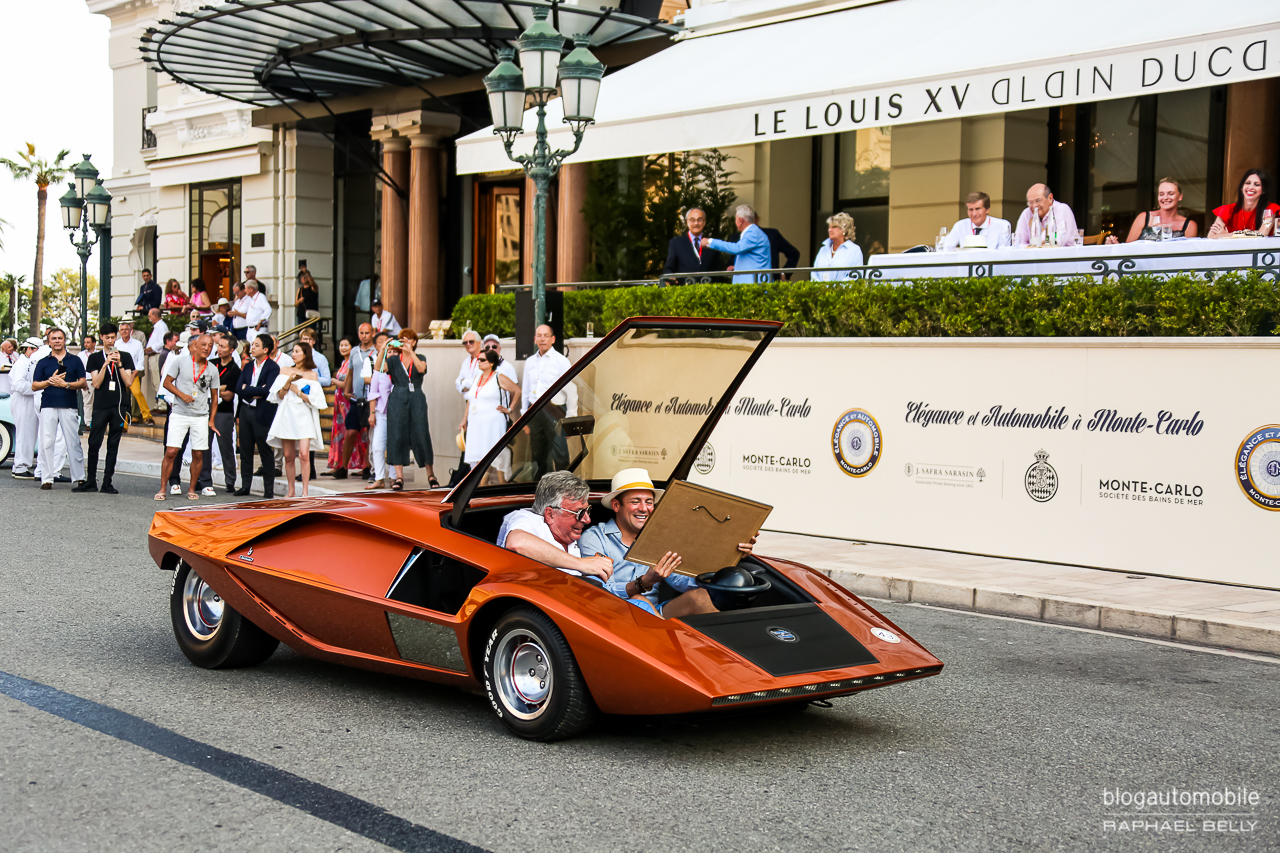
x: 424, y: 233
x: 395, y: 227
x: 572, y: 244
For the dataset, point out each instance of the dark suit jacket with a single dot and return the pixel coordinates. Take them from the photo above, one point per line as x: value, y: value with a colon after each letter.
x: 778, y: 245
x: 246, y: 390
x: 683, y: 260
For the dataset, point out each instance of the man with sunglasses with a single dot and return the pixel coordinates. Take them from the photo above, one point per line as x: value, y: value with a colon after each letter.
x: 550, y: 530
x: 471, y: 364
x: 505, y: 368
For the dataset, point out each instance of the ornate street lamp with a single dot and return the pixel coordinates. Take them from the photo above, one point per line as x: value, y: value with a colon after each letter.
x: 540, y: 74
x: 86, y: 204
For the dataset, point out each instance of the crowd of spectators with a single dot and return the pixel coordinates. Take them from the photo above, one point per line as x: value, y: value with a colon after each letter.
x: 1045, y: 222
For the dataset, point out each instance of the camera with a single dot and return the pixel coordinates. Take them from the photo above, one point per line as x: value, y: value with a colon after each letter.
x: 395, y: 343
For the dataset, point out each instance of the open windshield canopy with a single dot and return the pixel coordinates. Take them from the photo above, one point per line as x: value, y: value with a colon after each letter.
x: 640, y: 399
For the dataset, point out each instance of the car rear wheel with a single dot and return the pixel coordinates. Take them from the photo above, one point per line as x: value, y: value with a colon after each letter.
x: 532, y: 679
x: 210, y: 633
x: 6, y: 442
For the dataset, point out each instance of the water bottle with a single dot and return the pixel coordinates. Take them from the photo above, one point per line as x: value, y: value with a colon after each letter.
x: 940, y: 241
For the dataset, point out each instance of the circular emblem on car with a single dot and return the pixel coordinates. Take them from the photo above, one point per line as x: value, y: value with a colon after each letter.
x: 1258, y: 467
x: 855, y: 442
x: 783, y: 635
x: 1041, y: 479
x: 886, y: 635
x: 706, y: 459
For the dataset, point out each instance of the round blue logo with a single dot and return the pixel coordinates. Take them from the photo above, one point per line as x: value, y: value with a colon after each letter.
x: 783, y: 635
x: 855, y: 442
x: 1258, y: 467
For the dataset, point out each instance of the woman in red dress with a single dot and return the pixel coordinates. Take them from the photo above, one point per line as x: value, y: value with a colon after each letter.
x: 341, y: 405
x: 1252, y: 211
x: 175, y: 301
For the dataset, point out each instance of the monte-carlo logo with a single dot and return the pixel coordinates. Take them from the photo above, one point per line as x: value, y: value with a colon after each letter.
x: 1041, y: 479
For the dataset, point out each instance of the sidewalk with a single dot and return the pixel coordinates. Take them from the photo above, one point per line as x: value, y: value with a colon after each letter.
x: 1208, y: 614
x: 142, y: 456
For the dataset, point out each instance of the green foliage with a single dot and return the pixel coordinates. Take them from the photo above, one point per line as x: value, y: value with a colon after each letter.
x: 11, y: 285
x: 636, y: 205
x: 487, y: 314
x: 62, y: 301
x: 1183, y: 305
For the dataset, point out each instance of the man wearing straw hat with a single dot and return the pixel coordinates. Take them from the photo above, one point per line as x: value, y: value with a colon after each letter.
x: 632, y: 497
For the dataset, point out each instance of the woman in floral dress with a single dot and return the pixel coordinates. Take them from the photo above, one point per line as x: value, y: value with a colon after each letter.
x: 341, y: 405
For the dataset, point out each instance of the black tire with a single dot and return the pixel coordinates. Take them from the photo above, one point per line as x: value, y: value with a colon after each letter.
x: 6, y: 442
x: 547, y: 698
x: 210, y: 632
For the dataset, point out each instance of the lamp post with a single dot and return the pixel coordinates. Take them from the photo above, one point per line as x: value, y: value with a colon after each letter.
x: 534, y: 81
x: 86, y: 191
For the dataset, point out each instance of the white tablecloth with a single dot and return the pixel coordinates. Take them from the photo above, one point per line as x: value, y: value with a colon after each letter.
x: 1187, y: 254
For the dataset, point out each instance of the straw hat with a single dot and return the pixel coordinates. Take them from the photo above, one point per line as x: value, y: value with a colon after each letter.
x: 461, y: 440
x: 628, y: 479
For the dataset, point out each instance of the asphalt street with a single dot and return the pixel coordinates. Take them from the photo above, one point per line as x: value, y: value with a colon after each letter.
x: 113, y: 741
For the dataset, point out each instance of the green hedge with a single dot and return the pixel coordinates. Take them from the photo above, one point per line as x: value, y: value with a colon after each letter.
x: 1184, y: 305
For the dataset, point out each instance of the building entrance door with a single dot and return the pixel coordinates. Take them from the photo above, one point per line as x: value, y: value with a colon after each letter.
x: 499, y: 230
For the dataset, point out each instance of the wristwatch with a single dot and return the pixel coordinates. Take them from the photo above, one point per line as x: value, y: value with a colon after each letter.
x: 640, y: 587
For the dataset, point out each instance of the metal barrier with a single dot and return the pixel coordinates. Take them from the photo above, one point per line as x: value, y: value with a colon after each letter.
x: 1103, y: 266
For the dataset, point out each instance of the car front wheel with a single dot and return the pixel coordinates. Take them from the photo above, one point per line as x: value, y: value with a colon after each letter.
x: 6, y: 442
x: 532, y: 679
x: 210, y: 633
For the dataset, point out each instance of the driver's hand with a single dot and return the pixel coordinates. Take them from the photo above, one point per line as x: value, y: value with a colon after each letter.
x: 663, y: 569
x: 598, y: 566
x: 745, y: 547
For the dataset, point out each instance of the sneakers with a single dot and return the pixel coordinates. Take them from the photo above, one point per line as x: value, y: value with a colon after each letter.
x: 208, y: 492
x: 84, y: 486
x: 61, y: 479
x: 23, y: 475
x: 108, y: 489
x: 175, y: 490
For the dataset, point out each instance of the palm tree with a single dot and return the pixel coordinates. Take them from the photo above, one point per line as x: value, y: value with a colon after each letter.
x: 43, y: 173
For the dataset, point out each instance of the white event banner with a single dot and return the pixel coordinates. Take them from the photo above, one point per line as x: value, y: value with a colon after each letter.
x: 1155, y: 455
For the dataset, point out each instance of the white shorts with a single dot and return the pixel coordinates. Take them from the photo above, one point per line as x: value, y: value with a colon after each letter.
x: 181, y: 425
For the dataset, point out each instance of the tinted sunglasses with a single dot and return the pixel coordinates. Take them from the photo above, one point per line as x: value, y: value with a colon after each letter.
x: 581, y: 515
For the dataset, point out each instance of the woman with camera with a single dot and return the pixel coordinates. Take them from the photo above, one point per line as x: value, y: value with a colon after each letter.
x: 300, y: 399
x: 407, y: 427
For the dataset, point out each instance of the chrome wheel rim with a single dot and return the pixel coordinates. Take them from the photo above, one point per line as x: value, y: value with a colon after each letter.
x: 523, y: 672
x: 201, y: 607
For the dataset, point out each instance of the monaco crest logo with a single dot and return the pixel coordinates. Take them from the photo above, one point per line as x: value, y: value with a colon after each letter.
x: 1041, y: 479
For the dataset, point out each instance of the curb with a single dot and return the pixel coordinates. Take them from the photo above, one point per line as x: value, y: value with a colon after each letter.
x: 152, y: 469
x: 1057, y: 610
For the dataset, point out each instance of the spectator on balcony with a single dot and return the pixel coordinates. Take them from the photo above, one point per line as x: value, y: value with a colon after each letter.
x: 685, y: 254
x: 222, y: 319
x: 199, y: 301
x: 997, y: 233
x: 1148, y: 225
x: 251, y: 274
x: 838, y: 250
x: 1251, y: 210
x: 1045, y: 221
x: 751, y: 252
x: 149, y: 296
x: 175, y: 300
x: 782, y: 255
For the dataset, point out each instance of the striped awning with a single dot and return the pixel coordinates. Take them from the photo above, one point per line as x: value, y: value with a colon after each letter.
x: 273, y: 52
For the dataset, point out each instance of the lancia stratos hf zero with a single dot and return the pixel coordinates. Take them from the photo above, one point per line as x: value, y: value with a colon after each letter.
x: 413, y: 583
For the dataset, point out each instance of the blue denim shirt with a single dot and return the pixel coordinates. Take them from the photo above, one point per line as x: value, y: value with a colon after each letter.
x: 607, y: 539
x: 751, y: 252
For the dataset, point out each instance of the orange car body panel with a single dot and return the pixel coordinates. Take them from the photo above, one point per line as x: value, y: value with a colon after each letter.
x: 315, y: 573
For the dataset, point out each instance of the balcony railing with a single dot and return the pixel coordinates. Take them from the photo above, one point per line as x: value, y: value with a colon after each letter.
x: 148, y: 136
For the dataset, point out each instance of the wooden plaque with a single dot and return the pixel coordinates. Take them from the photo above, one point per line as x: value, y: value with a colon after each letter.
x: 702, y: 525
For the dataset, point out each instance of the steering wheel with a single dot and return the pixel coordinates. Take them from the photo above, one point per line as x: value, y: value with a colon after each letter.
x: 734, y: 580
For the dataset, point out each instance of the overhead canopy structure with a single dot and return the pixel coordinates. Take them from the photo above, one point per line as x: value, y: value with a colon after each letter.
x: 906, y: 61
x: 275, y: 52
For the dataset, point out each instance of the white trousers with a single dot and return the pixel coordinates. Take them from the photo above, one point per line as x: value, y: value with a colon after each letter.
x: 378, y: 448
x: 26, y: 422
x: 64, y: 422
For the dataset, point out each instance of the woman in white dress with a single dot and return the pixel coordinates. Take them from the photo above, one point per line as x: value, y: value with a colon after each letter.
x: 489, y: 401
x: 296, y: 427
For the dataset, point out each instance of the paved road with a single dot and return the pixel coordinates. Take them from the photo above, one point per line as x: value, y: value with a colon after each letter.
x: 112, y: 741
